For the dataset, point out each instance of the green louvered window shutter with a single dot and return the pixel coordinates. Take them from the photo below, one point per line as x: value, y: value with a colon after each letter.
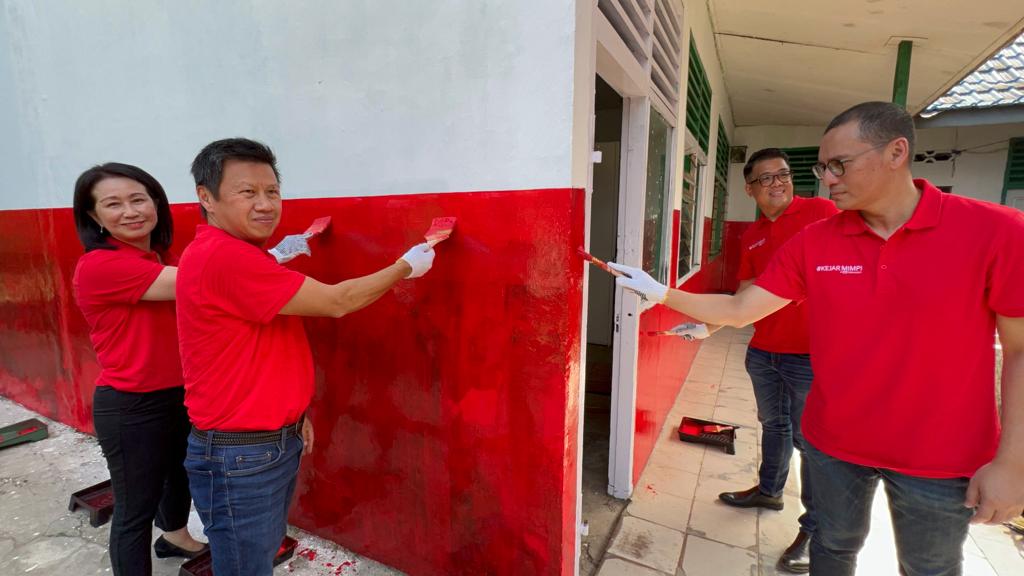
x: 698, y: 100
x: 721, y: 198
x: 800, y: 162
x: 1014, y: 179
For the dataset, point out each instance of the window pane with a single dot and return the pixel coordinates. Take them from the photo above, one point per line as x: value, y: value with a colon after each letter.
x: 657, y: 191
x: 688, y: 214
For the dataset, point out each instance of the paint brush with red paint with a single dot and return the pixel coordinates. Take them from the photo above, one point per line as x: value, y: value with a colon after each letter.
x: 440, y: 230
x: 295, y: 245
x: 318, y: 226
x: 599, y: 263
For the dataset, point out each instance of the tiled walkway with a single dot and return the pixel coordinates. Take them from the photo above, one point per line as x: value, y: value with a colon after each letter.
x: 675, y: 525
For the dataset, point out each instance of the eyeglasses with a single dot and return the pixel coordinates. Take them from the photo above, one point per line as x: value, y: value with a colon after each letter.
x: 838, y: 167
x: 766, y: 180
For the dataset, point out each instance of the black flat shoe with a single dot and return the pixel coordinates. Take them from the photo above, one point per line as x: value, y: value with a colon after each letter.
x: 797, y: 558
x: 165, y: 549
x: 752, y: 498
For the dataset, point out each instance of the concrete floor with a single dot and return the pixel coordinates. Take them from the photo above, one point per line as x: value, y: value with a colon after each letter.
x: 38, y: 535
x: 675, y: 526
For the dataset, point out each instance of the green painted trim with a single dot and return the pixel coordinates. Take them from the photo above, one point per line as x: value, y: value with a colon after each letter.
x: 1014, y: 175
x: 901, y: 81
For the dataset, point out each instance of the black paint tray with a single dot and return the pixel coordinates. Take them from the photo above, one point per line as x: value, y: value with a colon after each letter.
x: 697, y: 430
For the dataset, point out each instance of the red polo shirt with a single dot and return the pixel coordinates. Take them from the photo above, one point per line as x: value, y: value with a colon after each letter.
x: 136, y: 341
x: 784, y: 332
x: 246, y: 367
x: 902, y: 331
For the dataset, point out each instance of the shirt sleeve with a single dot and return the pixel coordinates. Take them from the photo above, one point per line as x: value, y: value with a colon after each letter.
x: 784, y: 275
x: 1006, y: 271
x: 249, y: 284
x: 113, y: 277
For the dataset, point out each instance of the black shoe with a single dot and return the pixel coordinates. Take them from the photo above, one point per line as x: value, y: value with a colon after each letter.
x: 165, y: 549
x: 797, y: 558
x: 752, y: 498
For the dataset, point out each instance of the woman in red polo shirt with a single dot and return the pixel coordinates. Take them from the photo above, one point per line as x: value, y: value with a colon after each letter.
x: 124, y: 285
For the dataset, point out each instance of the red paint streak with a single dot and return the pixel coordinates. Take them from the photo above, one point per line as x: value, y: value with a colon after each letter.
x: 446, y: 413
x: 307, y: 553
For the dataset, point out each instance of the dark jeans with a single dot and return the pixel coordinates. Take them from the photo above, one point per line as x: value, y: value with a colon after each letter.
x: 242, y: 494
x: 929, y: 519
x: 781, y: 384
x: 143, y: 437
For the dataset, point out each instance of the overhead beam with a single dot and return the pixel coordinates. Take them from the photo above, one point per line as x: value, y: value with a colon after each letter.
x: 901, y: 80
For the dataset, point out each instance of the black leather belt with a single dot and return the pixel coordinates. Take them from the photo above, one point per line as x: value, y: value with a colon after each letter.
x: 248, y: 438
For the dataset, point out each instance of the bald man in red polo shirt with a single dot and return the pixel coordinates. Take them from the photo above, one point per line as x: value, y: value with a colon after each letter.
x: 778, y: 359
x: 905, y: 290
x: 246, y: 361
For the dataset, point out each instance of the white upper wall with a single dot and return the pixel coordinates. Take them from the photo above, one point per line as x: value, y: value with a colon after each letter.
x: 357, y: 98
x: 977, y: 173
x: 698, y: 23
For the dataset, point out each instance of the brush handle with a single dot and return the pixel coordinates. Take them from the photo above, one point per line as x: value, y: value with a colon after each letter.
x: 598, y: 262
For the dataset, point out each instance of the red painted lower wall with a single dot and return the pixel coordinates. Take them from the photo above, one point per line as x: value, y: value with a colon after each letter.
x: 446, y: 413
x: 663, y: 362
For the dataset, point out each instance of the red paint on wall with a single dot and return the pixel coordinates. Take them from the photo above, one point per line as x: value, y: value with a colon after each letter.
x: 446, y: 413
x: 663, y: 362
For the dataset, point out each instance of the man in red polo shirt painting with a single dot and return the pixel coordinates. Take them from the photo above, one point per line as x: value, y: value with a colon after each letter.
x: 246, y: 361
x: 904, y: 290
x: 778, y: 359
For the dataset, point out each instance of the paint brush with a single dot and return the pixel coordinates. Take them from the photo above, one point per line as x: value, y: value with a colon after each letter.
x: 318, y: 226
x: 687, y: 330
x: 599, y: 263
x: 440, y: 229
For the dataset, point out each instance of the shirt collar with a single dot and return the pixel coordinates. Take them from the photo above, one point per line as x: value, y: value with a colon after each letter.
x: 926, y: 213
x: 794, y: 207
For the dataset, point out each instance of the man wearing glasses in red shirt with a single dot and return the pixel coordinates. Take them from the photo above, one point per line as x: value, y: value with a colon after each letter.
x: 778, y: 359
x: 904, y: 291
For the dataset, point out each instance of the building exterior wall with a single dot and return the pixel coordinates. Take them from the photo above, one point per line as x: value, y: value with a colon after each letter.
x: 663, y: 362
x: 446, y: 413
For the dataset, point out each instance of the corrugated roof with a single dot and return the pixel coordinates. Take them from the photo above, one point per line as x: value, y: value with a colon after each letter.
x: 998, y: 82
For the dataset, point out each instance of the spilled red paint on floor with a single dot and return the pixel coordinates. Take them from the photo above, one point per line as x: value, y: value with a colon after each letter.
x: 446, y: 413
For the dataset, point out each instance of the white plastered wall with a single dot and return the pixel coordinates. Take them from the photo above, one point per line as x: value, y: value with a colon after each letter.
x: 357, y: 98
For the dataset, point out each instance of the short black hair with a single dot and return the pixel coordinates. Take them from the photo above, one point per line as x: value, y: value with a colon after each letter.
x: 878, y: 123
x: 208, y: 167
x: 89, y: 232
x: 763, y: 154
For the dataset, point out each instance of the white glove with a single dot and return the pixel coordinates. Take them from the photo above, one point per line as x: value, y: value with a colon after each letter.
x: 640, y: 282
x: 691, y: 331
x: 420, y: 258
x: 291, y: 247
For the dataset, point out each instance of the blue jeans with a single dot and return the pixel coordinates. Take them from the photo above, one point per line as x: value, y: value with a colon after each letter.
x: 781, y: 384
x: 929, y: 519
x: 242, y: 495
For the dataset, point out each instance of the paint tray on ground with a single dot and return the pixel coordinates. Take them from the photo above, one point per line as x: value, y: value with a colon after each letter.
x: 709, y: 432
x: 97, y: 500
x: 202, y: 565
x: 25, y: 431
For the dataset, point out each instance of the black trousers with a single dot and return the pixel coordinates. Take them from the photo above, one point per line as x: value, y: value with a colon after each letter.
x: 143, y: 437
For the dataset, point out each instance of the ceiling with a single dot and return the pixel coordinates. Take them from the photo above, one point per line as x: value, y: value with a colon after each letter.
x: 801, y: 62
